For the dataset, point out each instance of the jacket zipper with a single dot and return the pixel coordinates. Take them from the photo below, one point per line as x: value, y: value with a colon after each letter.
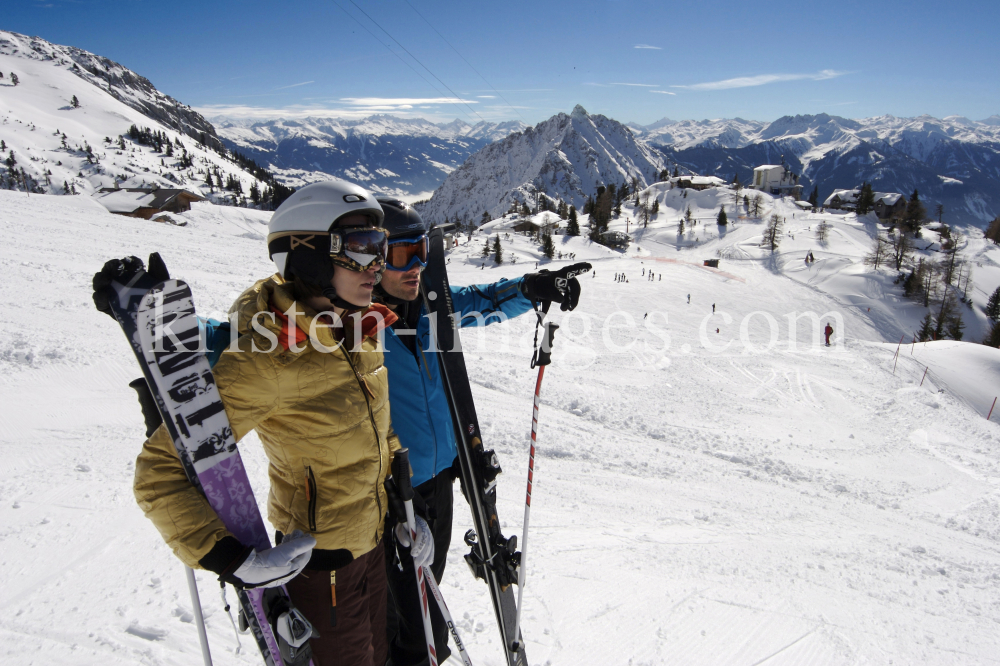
x: 311, y: 497
x: 427, y: 410
x: 371, y: 417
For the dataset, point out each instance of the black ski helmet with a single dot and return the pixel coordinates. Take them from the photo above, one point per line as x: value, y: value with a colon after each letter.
x: 401, y: 219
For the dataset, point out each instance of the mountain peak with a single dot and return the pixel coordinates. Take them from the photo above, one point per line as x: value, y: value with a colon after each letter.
x: 579, y: 112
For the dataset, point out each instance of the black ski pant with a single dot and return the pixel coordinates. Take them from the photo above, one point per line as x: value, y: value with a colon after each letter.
x: 405, y: 625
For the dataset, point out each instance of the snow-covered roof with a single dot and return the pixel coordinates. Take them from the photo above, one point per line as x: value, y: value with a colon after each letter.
x: 804, y: 205
x: 124, y: 201
x: 888, y: 198
x: 768, y: 167
x: 843, y: 195
x: 699, y: 180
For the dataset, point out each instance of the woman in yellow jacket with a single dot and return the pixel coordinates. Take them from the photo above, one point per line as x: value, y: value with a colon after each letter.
x: 313, y: 386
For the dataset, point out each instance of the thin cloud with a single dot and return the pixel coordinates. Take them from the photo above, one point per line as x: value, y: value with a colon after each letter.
x: 638, y: 85
x: 382, y: 102
x: 295, y: 85
x: 663, y: 92
x: 486, y: 96
x: 647, y: 46
x: 761, y: 80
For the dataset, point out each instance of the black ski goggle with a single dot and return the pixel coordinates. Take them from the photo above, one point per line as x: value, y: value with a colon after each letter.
x: 406, y: 253
x: 358, y: 248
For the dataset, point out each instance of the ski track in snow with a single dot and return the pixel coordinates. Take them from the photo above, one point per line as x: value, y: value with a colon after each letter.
x: 808, y: 506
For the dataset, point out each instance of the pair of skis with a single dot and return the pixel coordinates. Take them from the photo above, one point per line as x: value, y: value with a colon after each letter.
x: 493, y: 557
x: 159, y: 320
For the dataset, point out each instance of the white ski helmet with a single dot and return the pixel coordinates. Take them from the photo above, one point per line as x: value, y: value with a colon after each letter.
x: 311, y: 212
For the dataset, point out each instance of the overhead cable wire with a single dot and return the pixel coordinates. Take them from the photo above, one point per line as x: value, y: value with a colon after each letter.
x: 389, y: 48
x: 431, y: 25
x: 456, y: 96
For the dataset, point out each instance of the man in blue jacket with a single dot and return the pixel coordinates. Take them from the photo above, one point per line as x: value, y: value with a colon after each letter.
x: 421, y: 416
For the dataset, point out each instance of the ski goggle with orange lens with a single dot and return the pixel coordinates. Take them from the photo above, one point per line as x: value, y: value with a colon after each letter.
x: 406, y: 253
x: 357, y: 249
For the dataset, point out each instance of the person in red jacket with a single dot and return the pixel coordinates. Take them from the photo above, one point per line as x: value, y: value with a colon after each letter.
x: 829, y: 332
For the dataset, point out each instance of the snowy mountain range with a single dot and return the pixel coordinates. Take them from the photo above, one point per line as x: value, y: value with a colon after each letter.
x: 58, y: 148
x: 566, y: 157
x: 391, y: 155
x: 953, y: 161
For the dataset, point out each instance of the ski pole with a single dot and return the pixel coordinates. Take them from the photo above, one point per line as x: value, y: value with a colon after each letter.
x: 198, y: 617
x: 542, y: 358
x: 401, y: 473
x: 446, y: 614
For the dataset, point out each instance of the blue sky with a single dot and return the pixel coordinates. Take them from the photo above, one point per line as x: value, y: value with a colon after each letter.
x: 628, y: 59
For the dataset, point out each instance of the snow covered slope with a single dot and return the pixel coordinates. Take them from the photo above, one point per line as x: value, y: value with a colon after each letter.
x: 37, y: 113
x: 566, y: 157
x: 390, y: 155
x: 700, y: 497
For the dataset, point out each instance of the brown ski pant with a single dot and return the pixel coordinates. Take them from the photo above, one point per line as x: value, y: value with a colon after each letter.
x: 352, y: 634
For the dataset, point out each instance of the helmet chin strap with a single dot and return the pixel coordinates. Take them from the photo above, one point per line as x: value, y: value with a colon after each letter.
x: 339, y: 302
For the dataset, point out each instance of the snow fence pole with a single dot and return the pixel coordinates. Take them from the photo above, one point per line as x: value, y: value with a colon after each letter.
x: 991, y: 409
x: 199, y: 619
x: 543, y: 356
x: 401, y: 474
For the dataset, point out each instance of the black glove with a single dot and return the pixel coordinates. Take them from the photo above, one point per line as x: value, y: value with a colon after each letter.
x: 560, y: 287
x: 150, y: 412
x: 121, y: 271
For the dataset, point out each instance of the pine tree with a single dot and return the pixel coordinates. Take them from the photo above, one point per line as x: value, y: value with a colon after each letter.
x: 926, y: 328
x: 993, y: 338
x: 573, y: 226
x: 680, y: 229
x: 498, y: 251
x: 11, y: 161
x: 993, y: 231
x: 866, y: 200
x: 722, y: 220
x: 548, y: 247
x: 955, y: 327
x: 915, y: 213
x: 688, y: 215
x: 75, y: 103
x: 993, y: 306
x: 486, y: 248
x: 814, y: 197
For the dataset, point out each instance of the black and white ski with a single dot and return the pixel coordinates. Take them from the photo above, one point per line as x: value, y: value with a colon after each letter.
x: 160, y: 323
x: 493, y: 557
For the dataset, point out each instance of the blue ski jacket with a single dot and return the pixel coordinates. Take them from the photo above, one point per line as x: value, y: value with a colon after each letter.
x: 418, y: 404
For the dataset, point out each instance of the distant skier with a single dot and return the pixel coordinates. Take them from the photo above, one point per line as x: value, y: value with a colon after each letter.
x: 713, y: 308
x: 829, y: 331
x: 689, y: 299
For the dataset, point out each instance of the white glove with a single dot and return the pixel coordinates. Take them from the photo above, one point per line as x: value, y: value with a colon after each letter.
x: 278, y: 565
x: 423, y: 550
